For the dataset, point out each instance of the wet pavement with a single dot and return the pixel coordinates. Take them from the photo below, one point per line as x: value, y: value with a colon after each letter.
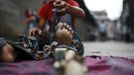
x: 109, y: 48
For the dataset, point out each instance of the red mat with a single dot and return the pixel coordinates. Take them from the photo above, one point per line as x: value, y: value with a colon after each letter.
x: 96, y: 66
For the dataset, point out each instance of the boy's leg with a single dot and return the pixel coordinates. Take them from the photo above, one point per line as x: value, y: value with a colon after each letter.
x: 75, y: 40
x: 63, y: 35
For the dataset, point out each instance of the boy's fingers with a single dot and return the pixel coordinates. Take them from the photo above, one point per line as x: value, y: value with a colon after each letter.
x: 33, y: 32
x: 60, y: 10
x: 30, y: 32
x: 40, y: 32
x: 60, y: 4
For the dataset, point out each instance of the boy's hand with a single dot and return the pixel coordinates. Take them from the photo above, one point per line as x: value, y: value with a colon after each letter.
x: 61, y: 5
x: 34, y: 31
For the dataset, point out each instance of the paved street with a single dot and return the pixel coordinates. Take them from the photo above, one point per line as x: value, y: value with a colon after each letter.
x: 109, y: 48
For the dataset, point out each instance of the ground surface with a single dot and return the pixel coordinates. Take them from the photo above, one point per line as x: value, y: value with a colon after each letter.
x: 109, y: 48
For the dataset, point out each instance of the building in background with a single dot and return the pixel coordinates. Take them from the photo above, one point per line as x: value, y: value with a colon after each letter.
x: 127, y: 20
x: 117, y: 30
x: 105, y: 24
x: 86, y: 27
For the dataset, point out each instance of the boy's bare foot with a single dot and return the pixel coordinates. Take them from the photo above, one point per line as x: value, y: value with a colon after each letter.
x: 63, y: 35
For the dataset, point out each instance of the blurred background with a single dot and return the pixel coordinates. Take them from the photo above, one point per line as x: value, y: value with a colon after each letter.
x: 109, y: 25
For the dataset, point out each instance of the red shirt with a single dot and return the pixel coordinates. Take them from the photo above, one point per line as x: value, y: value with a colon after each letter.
x: 46, y: 10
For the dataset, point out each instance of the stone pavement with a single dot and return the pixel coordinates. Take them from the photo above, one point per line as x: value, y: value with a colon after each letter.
x: 109, y: 48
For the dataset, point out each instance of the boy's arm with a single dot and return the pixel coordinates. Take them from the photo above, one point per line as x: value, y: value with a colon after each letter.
x: 41, y: 24
x: 75, y: 10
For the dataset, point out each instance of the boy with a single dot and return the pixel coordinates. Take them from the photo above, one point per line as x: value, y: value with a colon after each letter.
x: 67, y: 11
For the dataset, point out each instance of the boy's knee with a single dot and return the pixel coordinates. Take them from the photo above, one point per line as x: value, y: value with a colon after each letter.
x: 7, y: 53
